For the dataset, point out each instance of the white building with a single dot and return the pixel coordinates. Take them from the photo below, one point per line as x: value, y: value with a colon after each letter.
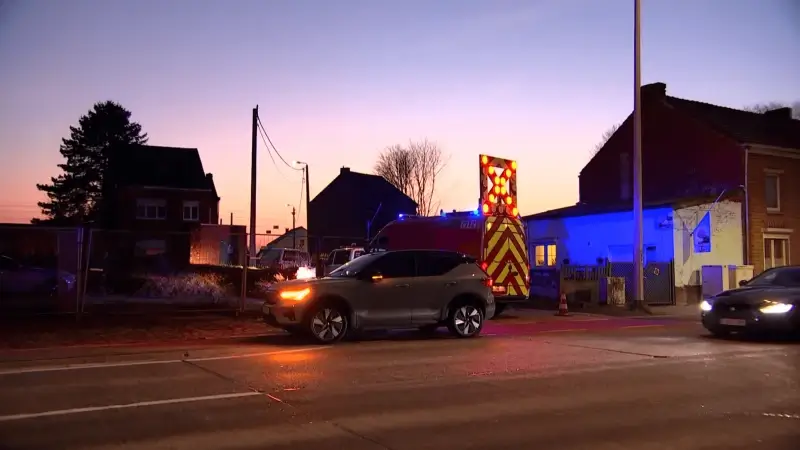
x: 679, y: 238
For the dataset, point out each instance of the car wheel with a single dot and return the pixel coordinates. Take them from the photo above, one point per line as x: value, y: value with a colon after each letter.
x: 465, y: 320
x: 328, y: 323
x: 498, y: 309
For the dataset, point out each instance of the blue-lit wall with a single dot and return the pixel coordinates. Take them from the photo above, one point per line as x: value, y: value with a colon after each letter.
x: 584, y: 239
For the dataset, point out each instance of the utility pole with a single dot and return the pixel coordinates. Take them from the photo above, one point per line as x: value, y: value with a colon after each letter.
x: 638, y: 234
x: 253, y: 162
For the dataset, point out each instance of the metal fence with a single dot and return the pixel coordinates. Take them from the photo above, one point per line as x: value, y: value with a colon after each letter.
x: 81, y: 270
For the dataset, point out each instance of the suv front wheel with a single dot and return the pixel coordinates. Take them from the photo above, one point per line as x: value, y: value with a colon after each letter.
x: 465, y: 320
x: 328, y: 323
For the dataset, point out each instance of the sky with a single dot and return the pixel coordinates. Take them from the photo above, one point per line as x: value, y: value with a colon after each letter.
x: 336, y: 82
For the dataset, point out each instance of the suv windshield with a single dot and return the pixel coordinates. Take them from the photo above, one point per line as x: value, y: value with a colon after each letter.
x: 355, y: 266
x: 269, y: 255
x: 782, y: 276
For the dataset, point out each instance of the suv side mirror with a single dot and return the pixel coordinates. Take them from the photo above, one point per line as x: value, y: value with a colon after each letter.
x: 743, y: 282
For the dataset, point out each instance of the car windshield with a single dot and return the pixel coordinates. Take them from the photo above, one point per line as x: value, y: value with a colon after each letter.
x: 783, y: 276
x: 269, y: 255
x: 354, y: 267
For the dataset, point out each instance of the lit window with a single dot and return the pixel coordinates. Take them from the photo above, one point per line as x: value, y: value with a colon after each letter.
x: 539, y: 253
x: 551, y: 255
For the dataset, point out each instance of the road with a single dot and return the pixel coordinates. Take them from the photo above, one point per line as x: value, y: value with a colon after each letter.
x: 637, y: 385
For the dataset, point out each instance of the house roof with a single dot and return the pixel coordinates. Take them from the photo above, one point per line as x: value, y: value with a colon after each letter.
x: 584, y: 209
x: 166, y: 167
x: 773, y: 128
x: 375, y: 185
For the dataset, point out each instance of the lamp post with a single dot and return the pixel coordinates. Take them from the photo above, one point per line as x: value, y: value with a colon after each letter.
x: 294, y: 227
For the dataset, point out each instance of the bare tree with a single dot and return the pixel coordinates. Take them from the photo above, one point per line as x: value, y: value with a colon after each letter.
x: 769, y: 106
x: 604, y: 138
x: 413, y: 170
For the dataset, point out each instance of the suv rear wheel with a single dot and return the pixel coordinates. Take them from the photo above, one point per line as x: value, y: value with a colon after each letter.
x: 465, y: 320
x: 328, y: 323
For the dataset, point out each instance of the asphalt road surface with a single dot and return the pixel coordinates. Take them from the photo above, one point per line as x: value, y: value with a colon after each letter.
x: 636, y: 387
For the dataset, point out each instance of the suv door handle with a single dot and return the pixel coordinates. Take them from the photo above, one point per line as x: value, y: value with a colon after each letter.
x: 402, y: 285
x: 450, y: 283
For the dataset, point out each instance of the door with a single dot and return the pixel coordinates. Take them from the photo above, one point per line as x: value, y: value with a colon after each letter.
x: 433, y: 289
x: 387, y: 302
x: 776, y: 252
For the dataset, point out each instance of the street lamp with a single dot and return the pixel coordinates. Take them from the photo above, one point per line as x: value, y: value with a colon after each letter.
x: 294, y: 231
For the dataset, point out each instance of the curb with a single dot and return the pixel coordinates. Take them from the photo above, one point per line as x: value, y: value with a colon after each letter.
x: 170, y: 343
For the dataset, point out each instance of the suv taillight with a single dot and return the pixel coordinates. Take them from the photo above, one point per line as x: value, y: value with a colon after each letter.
x: 488, y: 282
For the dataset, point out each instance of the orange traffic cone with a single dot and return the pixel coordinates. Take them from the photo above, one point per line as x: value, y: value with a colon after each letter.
x: 563, y: 309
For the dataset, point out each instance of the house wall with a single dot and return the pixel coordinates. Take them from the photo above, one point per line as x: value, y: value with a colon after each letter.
x: 724, y: 226
x: 681, y: 158
x: 584, y: 239
x: 299, y: 241
x: 126, y: 212
x: 784, y: 224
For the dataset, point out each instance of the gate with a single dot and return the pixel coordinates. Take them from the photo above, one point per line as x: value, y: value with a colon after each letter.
x: 659, y: 281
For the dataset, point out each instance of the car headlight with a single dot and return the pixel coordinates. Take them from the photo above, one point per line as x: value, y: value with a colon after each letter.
x: 776, y: 308
x: 705, y: 306
x: 296, y: 295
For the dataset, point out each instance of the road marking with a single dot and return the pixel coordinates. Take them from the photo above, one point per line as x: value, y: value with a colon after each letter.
x: 643, y: 326
x: 107, y: 365
x: 564, y: 331
x: 64, y: 412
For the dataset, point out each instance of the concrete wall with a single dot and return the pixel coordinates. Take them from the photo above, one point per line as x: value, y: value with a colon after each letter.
x: 723, y: 224
x: 584, y: 239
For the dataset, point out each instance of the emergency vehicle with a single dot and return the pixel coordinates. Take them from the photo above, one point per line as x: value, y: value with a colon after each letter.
x: 493, y: 233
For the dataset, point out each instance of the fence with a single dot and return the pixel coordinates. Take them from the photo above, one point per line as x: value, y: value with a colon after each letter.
x: 77, y: 270
x: 584, y: 283
x: 37, y: 267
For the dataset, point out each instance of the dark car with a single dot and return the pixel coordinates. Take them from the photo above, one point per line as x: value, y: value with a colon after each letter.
x: 769, y: 302
x: 19, y: 280
x: 388, y: 290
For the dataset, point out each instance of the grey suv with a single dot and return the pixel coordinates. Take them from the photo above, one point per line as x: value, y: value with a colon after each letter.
x: 422, y: 289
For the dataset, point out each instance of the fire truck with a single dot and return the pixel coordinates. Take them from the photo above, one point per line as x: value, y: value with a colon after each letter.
x: 493, y: 233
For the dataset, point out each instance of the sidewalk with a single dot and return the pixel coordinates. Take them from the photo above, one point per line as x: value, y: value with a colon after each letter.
x: 142, y: 329
x: 678, y: 312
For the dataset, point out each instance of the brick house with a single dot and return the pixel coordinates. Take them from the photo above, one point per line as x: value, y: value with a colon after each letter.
x: 161, y: 195
x: 339, y: 215
x: 695, y: 149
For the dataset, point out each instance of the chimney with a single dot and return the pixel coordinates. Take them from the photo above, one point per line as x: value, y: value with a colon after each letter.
x: 654, y: 90
x: 779, y: 114
x: 344, y: 170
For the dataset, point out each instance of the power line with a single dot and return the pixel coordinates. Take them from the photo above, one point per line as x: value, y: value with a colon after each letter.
x: 275, y: 148
x: 269, y: 152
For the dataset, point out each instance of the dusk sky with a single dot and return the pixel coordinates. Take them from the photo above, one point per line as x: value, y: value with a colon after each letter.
x: 336, y: 81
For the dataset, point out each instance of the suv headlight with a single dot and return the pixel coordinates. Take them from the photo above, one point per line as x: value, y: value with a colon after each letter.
x: 776, y: 308
x: 295, y: 294
x: 705, y: 306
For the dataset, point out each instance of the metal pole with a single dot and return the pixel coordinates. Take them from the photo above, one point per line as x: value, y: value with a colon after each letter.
x: 294, y: 229
x: 638, y: 235
x: 253, y: 163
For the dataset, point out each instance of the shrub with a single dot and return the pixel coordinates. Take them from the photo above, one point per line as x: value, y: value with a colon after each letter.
x: 188, y: 286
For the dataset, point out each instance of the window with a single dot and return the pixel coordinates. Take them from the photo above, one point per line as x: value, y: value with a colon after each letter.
x: 396, y: 265
x: 191, y: 211
x: 433, y: 264
x: 545, y: 255
x: 772, y: 192
x: 776, y: 252
x: 8, y: 264
x: 290, y: 256
x: 151, y: 209
x: 340, y: 256
x: 785, y: 276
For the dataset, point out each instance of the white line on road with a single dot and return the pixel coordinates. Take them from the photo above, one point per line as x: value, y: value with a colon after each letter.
x: 63, y: 412
x: 107, y: 365
x: 643, y: 326
x: 563, y: 331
